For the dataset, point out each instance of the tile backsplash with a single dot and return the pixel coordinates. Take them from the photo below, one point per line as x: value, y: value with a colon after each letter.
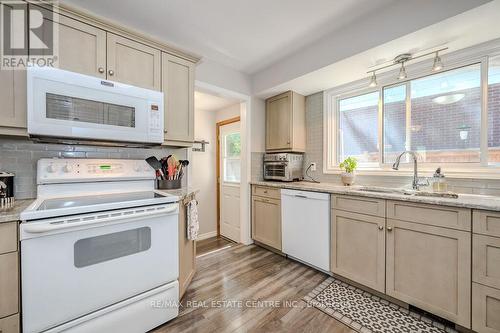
x: 21, y: 155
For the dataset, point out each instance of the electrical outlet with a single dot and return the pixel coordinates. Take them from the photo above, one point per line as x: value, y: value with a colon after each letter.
x: 313, y: 166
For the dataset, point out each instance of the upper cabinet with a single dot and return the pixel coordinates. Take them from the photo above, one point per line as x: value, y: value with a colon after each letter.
x: 133, y: 63
x: 286, y: 123
x: 82, y: 48
x: 178, y: 88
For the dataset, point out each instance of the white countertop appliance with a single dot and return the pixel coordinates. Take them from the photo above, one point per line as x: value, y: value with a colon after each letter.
x: 99, y: 249
x: 306, y: 227
x: 82, y: 108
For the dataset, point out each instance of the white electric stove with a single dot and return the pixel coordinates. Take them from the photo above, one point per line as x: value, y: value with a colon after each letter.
x: 99, y: 249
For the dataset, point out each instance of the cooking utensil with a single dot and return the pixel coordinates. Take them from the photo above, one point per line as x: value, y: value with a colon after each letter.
x: 155, y: 164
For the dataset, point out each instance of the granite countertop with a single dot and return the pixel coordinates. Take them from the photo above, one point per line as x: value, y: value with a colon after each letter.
x: 464, y: 200
x: 12, y: 214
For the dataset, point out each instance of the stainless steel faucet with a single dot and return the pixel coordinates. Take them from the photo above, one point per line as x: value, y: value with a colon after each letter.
x: 416, y: 181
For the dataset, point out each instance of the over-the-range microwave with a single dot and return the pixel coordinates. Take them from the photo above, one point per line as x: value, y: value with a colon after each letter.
x: 68, y: 105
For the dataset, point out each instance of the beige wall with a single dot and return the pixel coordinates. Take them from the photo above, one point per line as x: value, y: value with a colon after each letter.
x: 203, y: 173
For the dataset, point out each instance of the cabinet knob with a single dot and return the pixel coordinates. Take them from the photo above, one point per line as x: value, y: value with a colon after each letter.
x: 380, y: 227
x: 111, y: 72
x: 389, y: 229
x: 288, y: 142
x: 101, y: 70
x: 265, y: 191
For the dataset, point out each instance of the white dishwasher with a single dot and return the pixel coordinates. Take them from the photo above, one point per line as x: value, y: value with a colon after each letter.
x: 306, y: 227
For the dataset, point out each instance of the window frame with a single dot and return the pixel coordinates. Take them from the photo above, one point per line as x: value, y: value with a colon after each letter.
x: 331, y: 99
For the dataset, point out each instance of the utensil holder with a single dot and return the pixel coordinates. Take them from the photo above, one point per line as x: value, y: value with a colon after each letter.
x: 168, y: 184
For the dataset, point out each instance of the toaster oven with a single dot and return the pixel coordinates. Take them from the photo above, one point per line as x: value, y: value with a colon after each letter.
x: 285, y: 167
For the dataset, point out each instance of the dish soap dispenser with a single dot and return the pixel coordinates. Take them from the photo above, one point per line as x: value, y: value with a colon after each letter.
x: 439, y: 181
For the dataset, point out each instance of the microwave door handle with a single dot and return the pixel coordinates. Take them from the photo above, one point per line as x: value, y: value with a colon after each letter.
x: 48, y: 227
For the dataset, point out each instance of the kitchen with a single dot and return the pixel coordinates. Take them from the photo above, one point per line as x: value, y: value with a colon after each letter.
x: 365, y: 175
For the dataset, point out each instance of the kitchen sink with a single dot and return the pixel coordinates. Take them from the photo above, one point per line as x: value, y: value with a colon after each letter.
x: 409, y: 192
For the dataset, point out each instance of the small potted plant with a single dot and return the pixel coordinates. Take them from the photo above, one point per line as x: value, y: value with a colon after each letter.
x: 348, y: 165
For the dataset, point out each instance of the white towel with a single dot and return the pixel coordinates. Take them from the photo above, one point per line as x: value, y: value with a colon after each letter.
x: 192, y: 220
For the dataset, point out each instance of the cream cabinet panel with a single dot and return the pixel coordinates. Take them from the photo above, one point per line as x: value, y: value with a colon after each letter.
x: 486, y: 223
x: 485, y: 309
x: 10, y: 324
x: 178, y: 88
x: 362, y: 205
x: 133, y: 63
x: 8, y: 237
x: 9, y: 284
x: 267, y: 192
x: 285, y: 122
x: 486, y: 260
x: 82, y: 48
x: 187, y: 253
x: 266, y: 221
x: 429, y: 267
x: 437, y: 215
x: 358, y: 248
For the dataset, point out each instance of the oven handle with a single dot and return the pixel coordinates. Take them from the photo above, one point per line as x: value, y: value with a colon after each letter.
x: 51, y: 226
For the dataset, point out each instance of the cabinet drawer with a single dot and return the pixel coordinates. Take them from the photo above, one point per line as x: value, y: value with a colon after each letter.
x: 440, y: 216
x: 485, y: 309
x: 267, y: 192
x: 8, y: 237
x: 362, y: 205
x: 10, y: 324
x: 9, y: 284
x: 486, y: 260
x: 486, y: 223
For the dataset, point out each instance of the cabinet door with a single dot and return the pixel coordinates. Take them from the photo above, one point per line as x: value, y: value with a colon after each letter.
x: 358, y: 248
x: 430, y: 267
x: 486, y: 260
x: 82, y: 48
x: 10, y: 324
x: 9, y: 284
x: 178, y: 88
x: 278, y: 122
x: 266, y: 221
x: 133, y: 63
x: 485, y: 309
x: 13, y: 98
x: 187, y: 253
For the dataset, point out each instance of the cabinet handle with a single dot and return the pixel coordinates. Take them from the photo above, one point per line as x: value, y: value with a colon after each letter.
x: 389, y: 229
x: 380, y: 227
x: 111, y: 72
x: 288, y: 142
x: 265, y: 191
x: 101, y: 70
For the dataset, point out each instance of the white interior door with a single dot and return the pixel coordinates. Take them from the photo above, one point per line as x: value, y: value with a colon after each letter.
x: 230, y: 164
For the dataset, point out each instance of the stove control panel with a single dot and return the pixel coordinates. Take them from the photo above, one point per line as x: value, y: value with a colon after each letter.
x: 66, y: 170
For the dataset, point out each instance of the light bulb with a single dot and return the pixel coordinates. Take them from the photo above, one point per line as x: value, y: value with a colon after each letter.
x: 402, y: 72
x: 373, y: 80
x: 438, y: 64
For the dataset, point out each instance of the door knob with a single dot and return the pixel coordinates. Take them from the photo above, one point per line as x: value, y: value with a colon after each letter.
x: 111, y: 72
x: 389, y: 229
x: 101, y: 70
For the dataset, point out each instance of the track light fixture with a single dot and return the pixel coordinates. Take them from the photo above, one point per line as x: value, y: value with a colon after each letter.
x: 402, y: 59
x: 373, y: 80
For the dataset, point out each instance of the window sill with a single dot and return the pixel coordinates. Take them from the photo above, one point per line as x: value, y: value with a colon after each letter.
x: 471, y: 173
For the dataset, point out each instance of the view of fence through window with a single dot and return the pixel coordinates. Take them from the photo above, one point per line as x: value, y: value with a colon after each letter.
x: 439, y: 116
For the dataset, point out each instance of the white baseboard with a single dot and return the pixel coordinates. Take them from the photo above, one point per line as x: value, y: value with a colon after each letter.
x: 207, y: 235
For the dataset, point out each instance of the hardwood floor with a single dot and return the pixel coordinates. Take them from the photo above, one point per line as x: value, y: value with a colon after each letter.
x: 242, y: 276
x: 212, y: 244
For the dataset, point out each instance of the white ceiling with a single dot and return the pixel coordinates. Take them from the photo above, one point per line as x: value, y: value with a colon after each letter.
x: 472, y: 27
x: 247, y: 35
x: 208, y: 102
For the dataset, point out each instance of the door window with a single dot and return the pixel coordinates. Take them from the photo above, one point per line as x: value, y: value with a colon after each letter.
x: 231, y: 157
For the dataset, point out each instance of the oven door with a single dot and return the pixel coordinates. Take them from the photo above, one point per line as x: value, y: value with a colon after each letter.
x: 70, y: 269
x: 276, y: 171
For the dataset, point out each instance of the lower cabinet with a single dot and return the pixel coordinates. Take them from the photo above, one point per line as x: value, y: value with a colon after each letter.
x: 266, y: 221
x: 358, y: 248
x: 430, y: 267
x: 9, y: 278
x: 187, y: 253
x: 485, y: 309
x: 10, y: 324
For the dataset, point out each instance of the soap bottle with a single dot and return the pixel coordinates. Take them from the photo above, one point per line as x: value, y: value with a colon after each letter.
x: 439, y: 181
